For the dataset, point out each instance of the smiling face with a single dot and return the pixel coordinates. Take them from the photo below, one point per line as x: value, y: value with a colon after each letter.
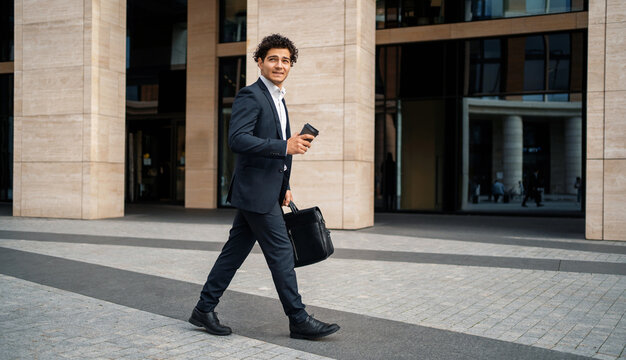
x: 276, y: 65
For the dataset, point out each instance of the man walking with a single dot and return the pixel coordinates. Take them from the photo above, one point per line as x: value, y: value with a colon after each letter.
x: 258, y: 133
x: 532, y: 189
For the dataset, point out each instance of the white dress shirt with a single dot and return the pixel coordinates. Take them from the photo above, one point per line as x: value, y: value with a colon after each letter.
x: 278, y: 95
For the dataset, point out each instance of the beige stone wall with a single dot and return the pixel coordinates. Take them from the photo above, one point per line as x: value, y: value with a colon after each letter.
x: 69, y: 108
x: 201, y: 113
x: 606, y: 124
x: 332, y: 87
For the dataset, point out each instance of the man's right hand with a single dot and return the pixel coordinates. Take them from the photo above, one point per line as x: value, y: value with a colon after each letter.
x: 299, y: 144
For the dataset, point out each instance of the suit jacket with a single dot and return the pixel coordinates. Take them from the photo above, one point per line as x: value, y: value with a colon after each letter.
x: 260, y: 179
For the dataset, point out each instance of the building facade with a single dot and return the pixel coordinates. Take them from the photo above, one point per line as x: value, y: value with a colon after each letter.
x: 422, y: 105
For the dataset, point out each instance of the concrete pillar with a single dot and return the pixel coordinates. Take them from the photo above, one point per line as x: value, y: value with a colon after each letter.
x: 70, y: 87
x: 512, y: 150
x: 573, y: 152
x: 201, y: 127
x: 332, y: 87
x: 606, y: 104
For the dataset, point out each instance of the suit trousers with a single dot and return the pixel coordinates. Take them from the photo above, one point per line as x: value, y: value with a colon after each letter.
x: 270, y: 231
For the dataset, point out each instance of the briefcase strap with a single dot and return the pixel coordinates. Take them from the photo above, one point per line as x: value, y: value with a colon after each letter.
x: 293, y: 207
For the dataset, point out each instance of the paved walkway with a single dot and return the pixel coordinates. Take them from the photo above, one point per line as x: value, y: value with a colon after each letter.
x: 413, y: 286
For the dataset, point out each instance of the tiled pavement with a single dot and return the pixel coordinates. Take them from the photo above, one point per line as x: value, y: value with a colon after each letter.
x: 571, y: 312
x: 42, y: 322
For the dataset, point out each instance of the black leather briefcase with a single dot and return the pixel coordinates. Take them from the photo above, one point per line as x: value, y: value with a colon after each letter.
x: 308, y: 234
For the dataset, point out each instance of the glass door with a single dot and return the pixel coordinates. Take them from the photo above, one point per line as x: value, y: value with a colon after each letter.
x: 156, y: 161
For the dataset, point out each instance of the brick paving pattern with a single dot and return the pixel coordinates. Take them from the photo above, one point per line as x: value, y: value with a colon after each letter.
x: 41, y: 322
x: 578, y: 313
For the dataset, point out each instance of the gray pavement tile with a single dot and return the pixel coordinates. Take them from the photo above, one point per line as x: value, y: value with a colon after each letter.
x: 530, y: 302
x: 604, y: 357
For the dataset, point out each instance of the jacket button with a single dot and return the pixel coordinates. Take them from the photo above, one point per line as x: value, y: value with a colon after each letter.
x: 281, y: 170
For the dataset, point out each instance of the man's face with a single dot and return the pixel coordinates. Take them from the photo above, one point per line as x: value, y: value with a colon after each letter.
x: 276, y: 65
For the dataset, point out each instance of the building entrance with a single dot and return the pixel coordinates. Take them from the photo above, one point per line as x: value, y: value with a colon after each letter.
x: 155, y: 161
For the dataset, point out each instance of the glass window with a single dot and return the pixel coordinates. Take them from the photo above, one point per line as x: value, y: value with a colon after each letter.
x: 487, y: 9
x: 518, y: 159
x: 557, y: 6
x: 233, y: 20
x: 535, y: 6
x: 6, y: 30
x: 534, y: 64
x: 485, y: 66
x: 402, y: 13
x: 232, y: 77
x: 6, y: 137
x: 493, y: 9
x: 380, y: 14
x: 156, y: 57
x: 415, y: 104
x: 559, y: 70
x: 530, y: 66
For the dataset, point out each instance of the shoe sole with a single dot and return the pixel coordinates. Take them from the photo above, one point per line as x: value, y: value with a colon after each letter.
x: 199, y: 324
x: 313, y: 337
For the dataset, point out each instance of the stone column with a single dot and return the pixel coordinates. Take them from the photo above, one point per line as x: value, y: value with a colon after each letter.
x: 70, y: 87
x: 606, y: 104
x: 201, y: 125
x: 573, y: 153
x: 332, y: 87
x: 512, y: 151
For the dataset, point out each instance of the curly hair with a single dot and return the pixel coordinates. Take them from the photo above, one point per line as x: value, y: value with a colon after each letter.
x: 275, y: 41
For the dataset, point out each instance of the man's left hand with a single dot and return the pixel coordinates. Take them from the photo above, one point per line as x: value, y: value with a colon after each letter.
x: 288, y: 198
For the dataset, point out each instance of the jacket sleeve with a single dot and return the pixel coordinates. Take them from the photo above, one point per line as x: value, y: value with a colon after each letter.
x: 241, y: 138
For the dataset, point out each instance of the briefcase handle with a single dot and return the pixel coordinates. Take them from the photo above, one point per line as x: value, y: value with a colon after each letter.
x: 293, y: 207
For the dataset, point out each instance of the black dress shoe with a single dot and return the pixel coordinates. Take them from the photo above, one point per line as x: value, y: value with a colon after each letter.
x: 311, y: 329
x: 210, y: 322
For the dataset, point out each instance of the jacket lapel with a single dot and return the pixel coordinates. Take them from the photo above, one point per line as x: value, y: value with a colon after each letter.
x: 288, y: 129
x: 268, y: 96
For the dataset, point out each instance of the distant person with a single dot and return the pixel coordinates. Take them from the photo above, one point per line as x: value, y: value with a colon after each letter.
x: 474, y: 190
x: 531, y: 187
x: 579, y: 189
x: 497, y: 190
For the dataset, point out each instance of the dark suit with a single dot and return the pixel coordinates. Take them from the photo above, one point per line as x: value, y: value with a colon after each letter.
x: 258, y: 187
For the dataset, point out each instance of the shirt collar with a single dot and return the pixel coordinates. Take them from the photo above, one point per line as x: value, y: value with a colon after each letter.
x: 274, y: 90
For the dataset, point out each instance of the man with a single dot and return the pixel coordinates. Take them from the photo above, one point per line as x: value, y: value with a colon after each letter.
x: 258, y: 133
x: 497, y: 190
x: 531, y: 187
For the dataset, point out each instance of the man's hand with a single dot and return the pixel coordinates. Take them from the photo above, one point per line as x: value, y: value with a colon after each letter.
x: 299, y: 144
x: 288, y: 198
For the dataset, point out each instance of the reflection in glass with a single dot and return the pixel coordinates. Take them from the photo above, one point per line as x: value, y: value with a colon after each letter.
x: 233, y: 20
x: 487, y: 9
x: 156, y: 160
x: 403, y: 13
x: 6, y: 30
x: 493, y: 9
x: 535, y: 153
x: 551, y: 64
x: 380, y: 14
x: 232, y: 75
x: 558, y: 72
x: 156, y: 57
x: 459, y: 126
x: 523, y: 148
x: 6, y: 137
x: 534, y: 65
x: 414, y: 106
x: 485, y: 66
